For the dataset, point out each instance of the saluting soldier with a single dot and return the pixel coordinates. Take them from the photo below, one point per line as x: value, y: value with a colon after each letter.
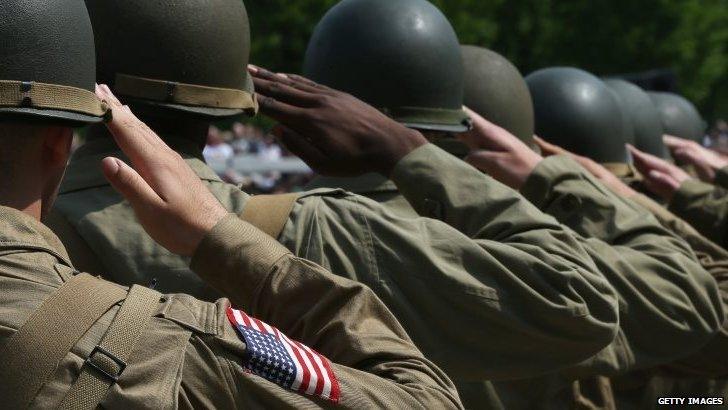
x: 576, y: 112
x: 70, y: 340
x: 630, y: 247
x: 518, y: 285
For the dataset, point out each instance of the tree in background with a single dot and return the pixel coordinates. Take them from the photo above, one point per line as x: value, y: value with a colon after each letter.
x: 603, y: 36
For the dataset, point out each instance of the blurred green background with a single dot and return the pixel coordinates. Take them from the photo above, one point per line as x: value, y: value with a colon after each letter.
x: 602, y: 36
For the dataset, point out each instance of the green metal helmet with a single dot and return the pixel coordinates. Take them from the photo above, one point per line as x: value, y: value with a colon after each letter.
x: 496, y: 90
x: 48, y: 69
x: 578, y: 112
x: 643, y: 116
x: 184, y: 58
x: 679, y: 116
x: 402, y: 57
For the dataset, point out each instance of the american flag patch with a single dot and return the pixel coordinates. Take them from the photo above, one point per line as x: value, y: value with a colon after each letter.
x: 287, y: 363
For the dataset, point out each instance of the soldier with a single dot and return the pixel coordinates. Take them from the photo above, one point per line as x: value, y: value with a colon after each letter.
x: 626, y: 264
x: 513, y: 111
x: 70, y: 340
x: 517, y: 285
x: 550, y: 86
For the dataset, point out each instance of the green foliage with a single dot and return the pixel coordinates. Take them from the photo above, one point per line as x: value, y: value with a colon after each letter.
x: 601, y: 36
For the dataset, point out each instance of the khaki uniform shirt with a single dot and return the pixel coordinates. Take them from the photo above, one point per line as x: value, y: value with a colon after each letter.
x: 704, y: 373
x: 639, y: 254
x: 516, y: 295
x: 705, y: 207
x: 189, y: 356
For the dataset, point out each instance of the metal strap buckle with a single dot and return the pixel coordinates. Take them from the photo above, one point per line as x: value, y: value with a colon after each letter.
x: 99, y: 368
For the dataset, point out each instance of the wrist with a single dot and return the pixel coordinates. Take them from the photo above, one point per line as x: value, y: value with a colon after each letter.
x: 206, y: 223
x: 407, y: 140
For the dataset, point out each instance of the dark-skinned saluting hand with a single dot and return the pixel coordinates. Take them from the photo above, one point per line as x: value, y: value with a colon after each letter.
x: 333, y: 132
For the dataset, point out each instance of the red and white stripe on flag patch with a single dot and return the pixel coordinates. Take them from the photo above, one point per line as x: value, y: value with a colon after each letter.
x: 285, y: 362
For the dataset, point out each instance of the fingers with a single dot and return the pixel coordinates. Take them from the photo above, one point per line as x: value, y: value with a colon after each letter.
x: 300, y: 146
x: 485, y: 134
x: 305, y: 81
x: 284, y: 93
x: 685, y: 154
x: 278, y: 110
x: 291, y: 80
x: 675, y: 142
x: 130, y: 184
x: 661, y: 184
x: 548, y: 149
x: 646, y: 162
x: 103, y: 92
x: 133, y: 136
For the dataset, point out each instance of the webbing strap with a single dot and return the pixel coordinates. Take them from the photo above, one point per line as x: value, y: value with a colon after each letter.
x: 29, y: 358
x: 50, y: 96
x: 185, y: 94
x: 269, y: 213
x: 108, y: 360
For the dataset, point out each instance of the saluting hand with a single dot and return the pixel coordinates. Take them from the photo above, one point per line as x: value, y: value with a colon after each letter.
x: 498, y: 153
x: 705, y: 161
x: 333, y: 132
x: 170, y: 201
x: 660, y: 177
x: 594, y: 168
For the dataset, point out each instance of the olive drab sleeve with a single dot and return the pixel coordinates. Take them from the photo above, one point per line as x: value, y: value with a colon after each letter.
x: 657, y: 276
x: 709, y: 360
x: 705, y: 207
x: 374, y: 360
x: 623, y: 266
x: 481, y: 307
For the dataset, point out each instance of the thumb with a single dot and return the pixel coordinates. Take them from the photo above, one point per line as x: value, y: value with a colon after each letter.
x: 130, y: 184
x: 548, y: 149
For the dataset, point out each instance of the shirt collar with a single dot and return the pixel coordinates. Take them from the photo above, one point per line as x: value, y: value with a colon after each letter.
x: 20, y: 230
x: 84, y: 170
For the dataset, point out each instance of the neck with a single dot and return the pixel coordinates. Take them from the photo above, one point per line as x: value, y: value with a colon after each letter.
x: 34, y: 209
x: 31, y: 205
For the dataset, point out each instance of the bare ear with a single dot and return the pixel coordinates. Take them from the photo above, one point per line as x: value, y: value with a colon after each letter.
x: 57, y: 144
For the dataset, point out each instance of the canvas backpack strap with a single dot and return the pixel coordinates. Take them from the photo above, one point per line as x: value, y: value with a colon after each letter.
x: 107, y: 361
x: 30, y: 357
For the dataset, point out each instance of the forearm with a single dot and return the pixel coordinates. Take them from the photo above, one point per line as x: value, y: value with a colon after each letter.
x: 341, y: 319
x: 433, y: 277
x: 443, y: 187
x: 656, y: 275
x: 708, y: 360
x: 705, y: 207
